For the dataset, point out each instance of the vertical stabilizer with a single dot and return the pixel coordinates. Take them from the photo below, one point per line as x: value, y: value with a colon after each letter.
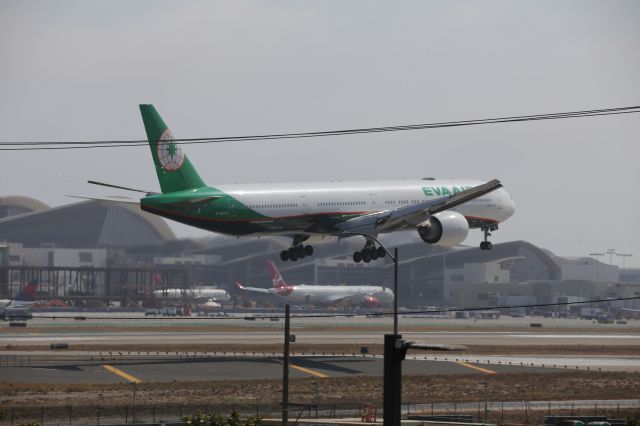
x: 174, y: 169
x: 28, y: 293
x: 276, y: 278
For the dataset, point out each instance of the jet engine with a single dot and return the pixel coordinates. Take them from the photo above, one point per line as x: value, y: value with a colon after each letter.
x: 446, y: 228
x: 371, y: 302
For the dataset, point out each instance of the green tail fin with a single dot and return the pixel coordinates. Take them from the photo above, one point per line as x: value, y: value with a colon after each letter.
x: 174, y: 169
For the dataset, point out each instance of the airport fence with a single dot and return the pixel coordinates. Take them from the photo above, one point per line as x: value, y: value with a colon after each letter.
x: 523, y: 412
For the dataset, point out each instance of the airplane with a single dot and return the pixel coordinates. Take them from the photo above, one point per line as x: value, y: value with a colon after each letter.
x: 365, y: 295
x: 204, y: 293
x: 20, y: 306
x: 441, y: 211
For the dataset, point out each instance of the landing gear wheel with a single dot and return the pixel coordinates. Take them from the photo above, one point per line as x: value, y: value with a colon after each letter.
x: 373, y: 253
x: 293, y: 254
x: 366, y: 256
x: 297, y: 250
x: 357, y: 257
x: 381, y: 252
x: 486, y: 244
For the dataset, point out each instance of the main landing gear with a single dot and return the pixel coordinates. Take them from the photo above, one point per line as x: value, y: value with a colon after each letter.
x: 369, y: 252
x: 295, y: 252
x: 486, y: 244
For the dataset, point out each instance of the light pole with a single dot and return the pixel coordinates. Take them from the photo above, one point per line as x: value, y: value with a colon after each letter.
x: 597, y: 264
x: 624, y: 257
x: 394, y: 352
x: 393, y: 257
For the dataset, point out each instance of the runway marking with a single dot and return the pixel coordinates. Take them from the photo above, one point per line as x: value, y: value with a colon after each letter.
x: 121, y: 373
x: 466, y: 364
x: 309, y: 371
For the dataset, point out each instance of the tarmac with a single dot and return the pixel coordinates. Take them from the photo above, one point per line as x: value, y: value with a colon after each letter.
x: 69, y: 366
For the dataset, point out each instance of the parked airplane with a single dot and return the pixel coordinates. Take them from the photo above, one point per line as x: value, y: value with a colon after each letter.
x: 441, y: 211
x: 362, y: 295
x: 20, y: 307
x: 202, y: 293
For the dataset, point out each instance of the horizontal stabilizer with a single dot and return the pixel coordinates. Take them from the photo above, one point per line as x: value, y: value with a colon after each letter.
x: 109, y: 185
x: 111, y: 199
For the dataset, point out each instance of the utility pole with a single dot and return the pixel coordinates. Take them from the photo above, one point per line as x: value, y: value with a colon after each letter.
x: 315, y: 383
x: 285, y: 369
x: 395, y: 350
x: 395, y: 291
x: 134, y: 401
x: 486, y: 403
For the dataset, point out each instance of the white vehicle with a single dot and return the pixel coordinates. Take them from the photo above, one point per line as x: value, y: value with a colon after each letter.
x: 361, y: 295
x: 20, y: 307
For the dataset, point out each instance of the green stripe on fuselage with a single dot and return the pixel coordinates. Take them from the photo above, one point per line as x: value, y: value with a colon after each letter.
x: 194, y: 203
x: 225, y: 214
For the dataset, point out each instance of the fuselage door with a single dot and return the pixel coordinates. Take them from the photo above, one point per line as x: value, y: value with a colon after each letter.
x: 304, y: 204
x: 373, y: 202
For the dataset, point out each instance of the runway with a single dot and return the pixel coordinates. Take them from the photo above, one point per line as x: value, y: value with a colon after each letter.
x: 320, y: 338
x: 211, y: 368
x: 20, y: 363
x: 135, y: 328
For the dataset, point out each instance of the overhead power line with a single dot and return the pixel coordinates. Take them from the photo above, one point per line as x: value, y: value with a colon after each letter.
x: 55, y: 145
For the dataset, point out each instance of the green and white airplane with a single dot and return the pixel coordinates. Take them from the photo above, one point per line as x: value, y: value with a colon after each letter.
x: 441, y: 211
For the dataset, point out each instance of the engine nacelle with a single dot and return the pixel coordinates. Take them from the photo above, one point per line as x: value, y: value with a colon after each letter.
x: 371, y: 301
x: 446, y: 228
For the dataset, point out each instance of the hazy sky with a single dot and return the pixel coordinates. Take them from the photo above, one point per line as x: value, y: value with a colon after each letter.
x: 77, y: 70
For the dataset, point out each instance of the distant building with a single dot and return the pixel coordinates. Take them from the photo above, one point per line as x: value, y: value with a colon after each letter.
x: 86, y: 224
x: 587, y: 269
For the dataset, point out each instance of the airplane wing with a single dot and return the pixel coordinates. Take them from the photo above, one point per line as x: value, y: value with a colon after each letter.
x: 360, y: 299
x: 253, y: 289
x: 412, y: 215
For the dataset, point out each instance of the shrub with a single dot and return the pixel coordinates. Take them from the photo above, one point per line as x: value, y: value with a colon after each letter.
x: 213, y: 419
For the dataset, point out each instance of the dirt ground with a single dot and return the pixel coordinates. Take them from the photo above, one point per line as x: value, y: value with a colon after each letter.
x: 416, y: 389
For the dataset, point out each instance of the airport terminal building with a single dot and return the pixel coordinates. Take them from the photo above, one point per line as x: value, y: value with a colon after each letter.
x: 105, y: 252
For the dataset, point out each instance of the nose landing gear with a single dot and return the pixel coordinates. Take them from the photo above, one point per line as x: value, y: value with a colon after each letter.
x: 486, y: 244
x: 368, y: 253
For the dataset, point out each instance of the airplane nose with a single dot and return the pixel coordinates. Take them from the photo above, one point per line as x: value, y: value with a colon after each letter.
x: 509, y: 208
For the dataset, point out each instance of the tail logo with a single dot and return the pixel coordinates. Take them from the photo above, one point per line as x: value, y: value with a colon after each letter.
x: 170, y: 154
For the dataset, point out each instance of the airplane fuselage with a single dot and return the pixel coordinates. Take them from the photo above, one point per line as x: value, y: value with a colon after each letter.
x: 332, y: 294
x: 314, y: 208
